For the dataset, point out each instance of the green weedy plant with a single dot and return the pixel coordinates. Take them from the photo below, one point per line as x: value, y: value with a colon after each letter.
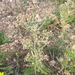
x: 35, y: 42
x: 67, y: 16
x: 67, y: 12
x: 36, y: 45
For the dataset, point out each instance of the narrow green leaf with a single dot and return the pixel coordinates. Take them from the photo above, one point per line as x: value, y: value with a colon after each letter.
x: 70, y: 19
x: 72, y: 69
x: 28, y: 71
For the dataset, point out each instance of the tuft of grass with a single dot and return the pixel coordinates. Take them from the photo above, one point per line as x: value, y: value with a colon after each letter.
x: 3, y: 38
x: 7, y: 69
